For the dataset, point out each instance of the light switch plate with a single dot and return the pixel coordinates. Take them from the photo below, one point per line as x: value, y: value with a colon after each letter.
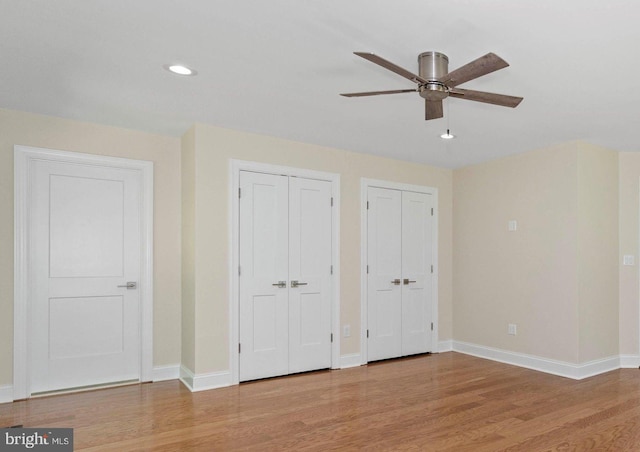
x: 513, y: 225
x: 629, y: 259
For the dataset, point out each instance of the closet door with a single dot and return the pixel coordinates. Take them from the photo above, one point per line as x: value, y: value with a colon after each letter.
x: 384, y: 224
x: 285, y: 275
x: 264, y: 309
x: 309, y: 274
x: 416, y: 273
x: 400, y: 257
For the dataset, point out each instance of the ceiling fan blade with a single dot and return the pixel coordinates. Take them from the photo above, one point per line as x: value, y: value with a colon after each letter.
x: 477, y: 68
x: 488, y: 98
x: 375, y: 93
x: 391, y: 66
x: 432, y: 109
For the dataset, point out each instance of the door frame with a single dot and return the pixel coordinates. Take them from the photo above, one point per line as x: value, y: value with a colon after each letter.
x: 235, y: 166
x: 24, y: 158
x: 364, y: 233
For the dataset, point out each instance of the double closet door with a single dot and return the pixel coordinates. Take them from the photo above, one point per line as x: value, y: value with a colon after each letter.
x: 399, y: 278
x: 285, y: 275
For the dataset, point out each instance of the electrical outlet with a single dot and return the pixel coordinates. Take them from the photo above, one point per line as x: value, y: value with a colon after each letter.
x: 346, y: 330
x: 513, y: 329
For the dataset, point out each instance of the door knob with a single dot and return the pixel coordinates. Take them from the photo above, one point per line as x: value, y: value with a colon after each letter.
x: 280, y: 284
x: 295, y: 283
x: 396, y: 281
x: 406, y: 281
x: 130, y: 285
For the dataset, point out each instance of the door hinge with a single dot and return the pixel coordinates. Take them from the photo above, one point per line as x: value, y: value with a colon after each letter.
x: 331, y: 337
x: 239, y: 348
x: 239, y: 192
x: 432, y: 211
x: 367, y: 333
x: 332, y: 201
x: 367, y: 269
x: 239, y: 271
x: 331, y: 272
x: 432, y: 269
x: 431, y: 326
x: 367, y: 205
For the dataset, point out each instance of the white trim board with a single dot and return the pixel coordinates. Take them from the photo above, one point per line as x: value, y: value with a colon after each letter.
x: 352, y: 360
x: 445, y: 346
x: 550, y: 366
x: 24, y: 156
x: 6, y: 394
x: 629, y: 361
x: 235, y: 166
x: 364, y: 187
x: 204, y: 382
x: 164, y: 373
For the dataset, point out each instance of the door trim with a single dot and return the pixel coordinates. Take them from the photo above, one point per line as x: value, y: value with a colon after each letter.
x: 364, y: 188
x: 235, y: 166
x: 24, y: 156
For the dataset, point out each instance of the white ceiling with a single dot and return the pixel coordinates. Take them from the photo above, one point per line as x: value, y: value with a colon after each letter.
x: 276, y: 67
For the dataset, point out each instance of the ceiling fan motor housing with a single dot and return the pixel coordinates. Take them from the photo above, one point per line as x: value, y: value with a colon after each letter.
x: 433, y: 66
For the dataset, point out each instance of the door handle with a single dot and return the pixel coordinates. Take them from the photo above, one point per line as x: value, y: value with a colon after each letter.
x: 295, y: 283
x: 406, y: 281
x: 130, y: 285
x: 396, y: 281
x: 280, y: 284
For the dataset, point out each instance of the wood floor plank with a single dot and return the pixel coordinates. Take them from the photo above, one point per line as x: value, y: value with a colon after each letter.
x: 439, y: 402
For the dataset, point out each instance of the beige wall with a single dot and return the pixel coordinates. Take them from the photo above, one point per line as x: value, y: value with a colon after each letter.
x: 526, y: 277
x: 629, y: 201
x: 214, y: 147
x: 48, y: 132
x: 188, y: 167
x: 597, y: 252
x: 556, y: 276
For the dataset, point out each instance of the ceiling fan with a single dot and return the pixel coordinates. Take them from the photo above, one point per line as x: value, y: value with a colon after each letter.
x: 436, y: 83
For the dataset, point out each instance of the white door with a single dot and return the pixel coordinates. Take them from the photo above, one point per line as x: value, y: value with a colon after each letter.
x: 264, y: 263
x: 384, y: 290
x: 416, y: 273
x: 399, y: 250
x: 309, y: 274
x: 86, y: 235
x: 285, y: 277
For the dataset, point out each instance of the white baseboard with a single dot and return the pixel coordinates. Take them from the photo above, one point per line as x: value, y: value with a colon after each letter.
x: 6, y: 394
x: 629, y: 361
x: 561, y: 368
x: 445, y: 346
x: 352, y: 360
x: 204, y: 382
x: 164, y: 373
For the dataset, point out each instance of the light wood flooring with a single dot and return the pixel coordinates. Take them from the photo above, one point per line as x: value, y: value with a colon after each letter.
x: 439, y: 402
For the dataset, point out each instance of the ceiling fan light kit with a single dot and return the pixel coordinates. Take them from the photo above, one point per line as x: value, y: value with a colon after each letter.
x: 436, y: 83
x: 447, y: 136
x: 180, y: 69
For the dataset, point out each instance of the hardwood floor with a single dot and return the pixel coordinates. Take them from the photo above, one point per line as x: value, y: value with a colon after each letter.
x: 434, y: 402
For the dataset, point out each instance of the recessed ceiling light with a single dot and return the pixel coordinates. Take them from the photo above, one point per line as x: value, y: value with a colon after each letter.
x: 179, y: 69
x: 447, y: 136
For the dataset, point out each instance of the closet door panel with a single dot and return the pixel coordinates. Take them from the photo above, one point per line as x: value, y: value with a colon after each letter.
x: 264, y: 304
x: 309, y: 274
x: 416, y: 272
x: 384, y: 288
